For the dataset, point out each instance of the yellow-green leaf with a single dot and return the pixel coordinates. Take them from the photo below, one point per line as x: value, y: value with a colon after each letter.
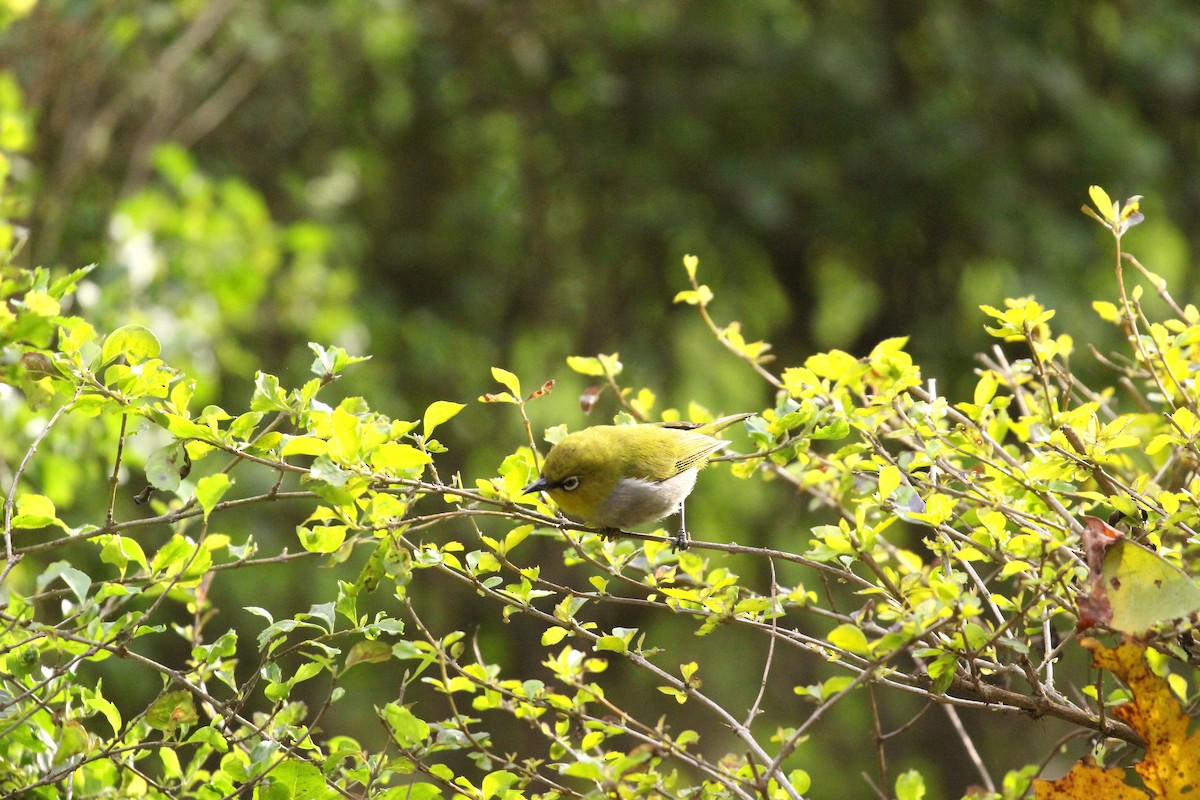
x: 508, y: 380
x: 41, y: 304
x: 322, y: 538
x: 1103, y: 203
x: 700, y: 296
x: 690, y: 263
x: 1106, y: 310
x: 135, y: 342
x: 397, y: 456
x: 210, y: 489
x: 553, y: 636
x: 35, y: 511
x: 889, y: 480
x: 985, y: 390
x: 305, y: 446
x: 851, y: 638
x: 438, y: 412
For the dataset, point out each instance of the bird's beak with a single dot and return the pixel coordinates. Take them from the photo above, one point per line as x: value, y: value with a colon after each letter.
x: 540, y: 485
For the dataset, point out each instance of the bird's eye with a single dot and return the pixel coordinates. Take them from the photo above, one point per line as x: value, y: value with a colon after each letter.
x: 570, y: 484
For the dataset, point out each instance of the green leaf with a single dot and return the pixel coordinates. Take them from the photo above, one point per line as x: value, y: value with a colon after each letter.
x: 407, y: 729
x: 173, y: 710
x: 801, y: 781
x: 71, y: 740
x: 181, y: 555
x: 497, y: 782
x: 35, y: 511
x: 210, y: 489
x: 295, y: 780
x: 700, y: 296
x: 508, y: 380
x: 332, y: 360
x: 211, y: 737
x: 615, y: 644
x: 166, y: 466
x: 438, y: 412
x: 268, y: 395
x: 368, y: 652
x: 849, y: 637
x: 910, y: 785
x: 395, y: 456
x: 120, y: 550
x: 134, y: 342
x: 322, y: 538
x: 95, y: 702
x: 79, y: 582
x: 690, y: 263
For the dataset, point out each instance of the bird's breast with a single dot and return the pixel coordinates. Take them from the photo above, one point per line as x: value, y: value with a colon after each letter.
x: 635, y: 501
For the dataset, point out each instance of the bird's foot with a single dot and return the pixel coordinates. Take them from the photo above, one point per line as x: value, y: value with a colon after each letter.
x: 609, y: 534
x: 679, y: 541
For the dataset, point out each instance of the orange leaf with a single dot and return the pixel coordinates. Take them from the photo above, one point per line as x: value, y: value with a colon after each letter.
x: 1086, y: 781
x: 1170, y: 768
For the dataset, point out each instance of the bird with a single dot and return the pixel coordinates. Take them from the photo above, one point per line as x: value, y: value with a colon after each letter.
x: 621, y: 476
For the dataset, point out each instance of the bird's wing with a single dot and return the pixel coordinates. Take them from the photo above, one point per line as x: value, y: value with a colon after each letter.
x: 694, y: 450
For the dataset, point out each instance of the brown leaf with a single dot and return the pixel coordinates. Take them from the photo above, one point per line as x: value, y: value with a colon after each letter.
x: 587, y: 400
x: 544, y: 390
x: 1094, y: 608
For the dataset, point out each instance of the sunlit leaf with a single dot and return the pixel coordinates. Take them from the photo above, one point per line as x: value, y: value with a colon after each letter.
x: 135, y: 342
x: 439, y: 411
x: 1102, y: 202
x: 508, y: 380
x: 210, y: 489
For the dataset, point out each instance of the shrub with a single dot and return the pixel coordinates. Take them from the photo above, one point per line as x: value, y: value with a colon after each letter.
x: 959, y: 540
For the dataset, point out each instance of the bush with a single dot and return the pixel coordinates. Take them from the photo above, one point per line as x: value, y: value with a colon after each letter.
x: 962, y: 555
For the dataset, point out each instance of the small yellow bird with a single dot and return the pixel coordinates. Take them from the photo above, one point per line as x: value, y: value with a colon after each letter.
x: 622, y: 476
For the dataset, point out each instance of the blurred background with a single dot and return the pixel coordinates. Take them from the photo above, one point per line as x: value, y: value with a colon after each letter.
x: 452, y: 185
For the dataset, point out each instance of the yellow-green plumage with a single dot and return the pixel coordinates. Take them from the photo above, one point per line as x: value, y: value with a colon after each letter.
x: 619, y: 476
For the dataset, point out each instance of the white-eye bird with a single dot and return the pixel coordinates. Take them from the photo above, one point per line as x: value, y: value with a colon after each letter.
x: 622, y: 476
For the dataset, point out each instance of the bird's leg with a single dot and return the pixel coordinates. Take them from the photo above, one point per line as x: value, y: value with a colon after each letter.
x: 609, y: 534
x: 681, y: 536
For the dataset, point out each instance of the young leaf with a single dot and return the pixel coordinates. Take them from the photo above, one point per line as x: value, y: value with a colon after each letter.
x: 134, y: 342
x: 210, y: 489
x: 690, y: 263
x: 508, y: 380
x: 438, y: 412
x: 1102, y: 202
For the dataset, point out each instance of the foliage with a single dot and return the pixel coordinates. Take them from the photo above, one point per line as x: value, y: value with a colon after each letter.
x: 950, y: 569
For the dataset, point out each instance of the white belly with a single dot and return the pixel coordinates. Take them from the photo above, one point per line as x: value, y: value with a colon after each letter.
x: 635, y: 502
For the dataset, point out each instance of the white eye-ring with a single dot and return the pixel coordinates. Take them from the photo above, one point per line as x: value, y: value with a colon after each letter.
x: 570, y: 484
